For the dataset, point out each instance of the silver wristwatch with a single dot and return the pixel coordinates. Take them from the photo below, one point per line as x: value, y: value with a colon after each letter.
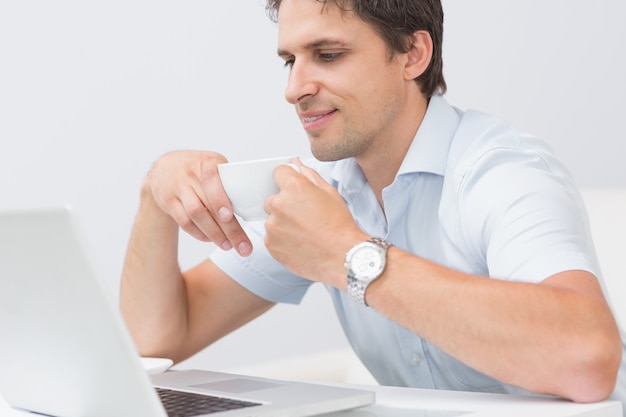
x: 364, y: 263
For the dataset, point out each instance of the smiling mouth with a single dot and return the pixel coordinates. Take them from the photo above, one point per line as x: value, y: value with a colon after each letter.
x: 312, y: 122
x: 312, y: 119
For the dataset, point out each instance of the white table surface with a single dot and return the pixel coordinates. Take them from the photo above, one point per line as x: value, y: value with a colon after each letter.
x: 410, y: 402
x: 405, y: 402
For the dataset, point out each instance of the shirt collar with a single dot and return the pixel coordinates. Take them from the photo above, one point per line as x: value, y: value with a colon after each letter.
x: 429, y: 150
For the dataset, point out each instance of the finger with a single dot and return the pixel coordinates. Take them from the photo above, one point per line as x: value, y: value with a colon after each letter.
x: 236, y: 236
x: 212, y: 192
x: 311, y: 174
x: 199, y: 217
x: 267, y: 206
x: 184, y: 221
x: 220, y: 208
x: 226, y: 235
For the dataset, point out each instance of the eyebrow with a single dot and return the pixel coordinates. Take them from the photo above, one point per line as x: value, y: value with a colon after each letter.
x: 316, y: 44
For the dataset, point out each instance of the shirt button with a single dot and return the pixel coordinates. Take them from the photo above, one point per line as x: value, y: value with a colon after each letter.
x: 415, y: 359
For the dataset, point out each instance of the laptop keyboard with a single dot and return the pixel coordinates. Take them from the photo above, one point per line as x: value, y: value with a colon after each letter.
x: 188, y: 404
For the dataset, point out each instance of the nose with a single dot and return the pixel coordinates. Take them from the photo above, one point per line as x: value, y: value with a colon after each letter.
x: 301, y: 83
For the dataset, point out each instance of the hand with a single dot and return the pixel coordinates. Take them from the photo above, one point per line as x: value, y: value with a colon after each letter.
x: 186, y: 186
x: 310, y: 229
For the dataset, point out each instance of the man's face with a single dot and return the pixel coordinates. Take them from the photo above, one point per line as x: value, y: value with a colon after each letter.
x: 349, y: 95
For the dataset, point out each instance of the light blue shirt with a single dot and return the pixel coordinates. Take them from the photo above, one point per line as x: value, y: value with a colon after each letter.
x: 473, y: 194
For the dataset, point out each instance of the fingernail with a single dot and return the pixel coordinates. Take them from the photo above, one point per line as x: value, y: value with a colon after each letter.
x: 224, y: 214
x: 296, y: 168
x: 227, y: 245
x: 244, y: 249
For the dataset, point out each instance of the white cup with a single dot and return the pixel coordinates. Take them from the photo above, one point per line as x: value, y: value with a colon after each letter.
x: 249, y: 183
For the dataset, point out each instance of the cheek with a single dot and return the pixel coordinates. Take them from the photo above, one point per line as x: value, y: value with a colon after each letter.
x: 384, y: 86
x: 381, y: 104
x: 368, y: 98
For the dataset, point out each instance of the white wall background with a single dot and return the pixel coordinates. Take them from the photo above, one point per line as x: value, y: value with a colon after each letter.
x: 91, y: 93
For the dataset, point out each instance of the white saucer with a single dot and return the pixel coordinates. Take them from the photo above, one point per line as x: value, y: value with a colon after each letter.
x: 156, y: 365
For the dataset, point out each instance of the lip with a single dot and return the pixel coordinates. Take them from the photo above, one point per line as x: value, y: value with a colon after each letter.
x: 317, y: 119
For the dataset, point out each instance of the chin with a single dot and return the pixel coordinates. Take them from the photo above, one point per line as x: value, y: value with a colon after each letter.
x: 329, y: 150
x: 325, y: 156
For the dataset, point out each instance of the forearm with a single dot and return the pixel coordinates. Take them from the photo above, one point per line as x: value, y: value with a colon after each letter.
x: 545, y: 338
x: 152, y: 291
x: 558, y: 337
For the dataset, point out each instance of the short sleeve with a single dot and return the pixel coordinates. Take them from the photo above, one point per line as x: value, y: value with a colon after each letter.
x: 259, y: 272
x: 520, y: 211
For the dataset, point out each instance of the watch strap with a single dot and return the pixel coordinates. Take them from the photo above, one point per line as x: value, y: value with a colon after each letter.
x: 356, y: 287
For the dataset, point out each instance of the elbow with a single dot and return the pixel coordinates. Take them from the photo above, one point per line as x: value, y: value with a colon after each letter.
x: 594, y: 376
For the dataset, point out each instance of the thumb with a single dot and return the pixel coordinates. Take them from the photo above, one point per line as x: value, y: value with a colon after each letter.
x: 311, y: 174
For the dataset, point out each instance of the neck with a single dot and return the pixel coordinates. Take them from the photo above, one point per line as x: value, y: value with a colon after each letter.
x: 380, y: 166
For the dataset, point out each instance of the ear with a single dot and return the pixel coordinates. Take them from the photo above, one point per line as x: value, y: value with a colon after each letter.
x: 419, y: 56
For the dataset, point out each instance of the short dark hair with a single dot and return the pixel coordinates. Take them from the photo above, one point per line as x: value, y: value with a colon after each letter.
x: 396, y: 21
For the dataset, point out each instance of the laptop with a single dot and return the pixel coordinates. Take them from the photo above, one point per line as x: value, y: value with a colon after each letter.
x: 65, y: 351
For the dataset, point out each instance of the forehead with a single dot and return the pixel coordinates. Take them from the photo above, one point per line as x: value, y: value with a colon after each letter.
x: 301, y: 22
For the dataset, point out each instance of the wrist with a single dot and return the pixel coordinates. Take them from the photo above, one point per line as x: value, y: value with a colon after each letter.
x: 150, y: 210
x: 365, y: 263
x: 335, y: 268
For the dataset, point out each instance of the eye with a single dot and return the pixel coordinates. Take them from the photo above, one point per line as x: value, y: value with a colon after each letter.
x: 289, y: 62
x: 329, y: 56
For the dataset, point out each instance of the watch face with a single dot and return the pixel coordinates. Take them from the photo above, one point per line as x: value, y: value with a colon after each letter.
x: 367, y: 262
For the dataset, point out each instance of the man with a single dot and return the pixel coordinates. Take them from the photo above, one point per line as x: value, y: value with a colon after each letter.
x: 482, y: 264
